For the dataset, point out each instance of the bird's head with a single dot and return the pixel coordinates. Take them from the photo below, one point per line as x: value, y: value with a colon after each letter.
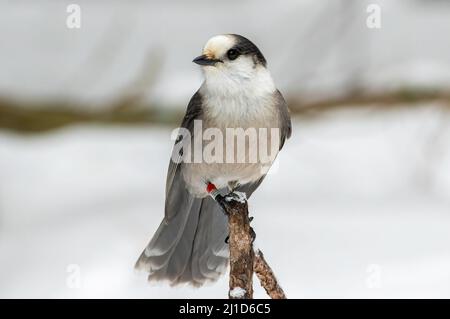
x: 231, y: 57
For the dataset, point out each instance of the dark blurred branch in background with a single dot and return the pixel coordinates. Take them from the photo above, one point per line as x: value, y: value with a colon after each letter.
x: 131, y: 108
x: 386, y: 100
x: 47, y: 116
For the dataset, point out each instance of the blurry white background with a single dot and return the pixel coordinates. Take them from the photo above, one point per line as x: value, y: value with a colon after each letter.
x: 359, y: 205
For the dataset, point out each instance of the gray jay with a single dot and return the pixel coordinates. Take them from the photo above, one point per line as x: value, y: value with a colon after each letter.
x: 238, y: 92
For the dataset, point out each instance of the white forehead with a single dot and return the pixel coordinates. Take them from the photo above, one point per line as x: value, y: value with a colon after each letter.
x: 218, y: 45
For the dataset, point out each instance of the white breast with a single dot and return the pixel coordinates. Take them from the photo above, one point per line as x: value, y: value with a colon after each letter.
x: 249, y: 104
x: 237, y: 99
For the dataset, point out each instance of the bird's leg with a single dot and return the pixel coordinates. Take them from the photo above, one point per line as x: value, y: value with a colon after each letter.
x: 233, y: 194
x: 232, y: 185
x: 212, y: 190
x: 215, y: 194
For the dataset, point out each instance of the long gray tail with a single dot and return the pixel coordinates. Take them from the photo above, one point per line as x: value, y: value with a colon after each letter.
x: 190, y: 247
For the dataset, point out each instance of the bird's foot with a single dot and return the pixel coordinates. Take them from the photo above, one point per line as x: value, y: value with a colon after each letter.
x: 236, y: 196
x: 226, y: 201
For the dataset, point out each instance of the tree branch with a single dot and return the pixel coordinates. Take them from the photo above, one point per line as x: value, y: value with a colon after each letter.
x: 241, y: 251
x: 267, y: 277
x: 243, y: 259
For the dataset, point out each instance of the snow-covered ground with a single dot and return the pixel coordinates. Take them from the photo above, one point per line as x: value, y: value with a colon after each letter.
x: 358, y: 207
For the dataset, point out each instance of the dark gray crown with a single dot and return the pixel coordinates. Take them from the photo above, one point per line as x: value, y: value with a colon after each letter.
x: 245, y: 46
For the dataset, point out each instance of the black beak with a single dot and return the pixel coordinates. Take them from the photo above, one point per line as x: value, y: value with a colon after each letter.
x: 204, y: 60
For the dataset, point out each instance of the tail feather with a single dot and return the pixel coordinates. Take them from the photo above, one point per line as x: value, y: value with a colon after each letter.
x: 210, y: 240
x: 190, y: 247
x: 182, y: 252
x: 157, y: 254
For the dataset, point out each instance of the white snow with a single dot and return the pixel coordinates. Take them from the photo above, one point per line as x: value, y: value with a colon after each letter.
x: 237, y: 292
x: 240, y: 197
x: 359, y: 206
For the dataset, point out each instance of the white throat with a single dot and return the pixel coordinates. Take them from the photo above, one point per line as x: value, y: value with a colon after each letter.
x: 237, y: 95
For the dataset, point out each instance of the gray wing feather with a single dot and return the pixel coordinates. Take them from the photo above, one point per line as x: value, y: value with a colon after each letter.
x: 189, y: 243
x: 193, y: 112
x: 285, y: 118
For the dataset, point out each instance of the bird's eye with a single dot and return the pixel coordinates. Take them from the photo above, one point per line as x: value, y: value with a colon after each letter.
x: 232, y: 54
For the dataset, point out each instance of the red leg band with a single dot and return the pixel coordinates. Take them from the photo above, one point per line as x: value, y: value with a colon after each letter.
x: 210, y: 187
x: 212, y: 190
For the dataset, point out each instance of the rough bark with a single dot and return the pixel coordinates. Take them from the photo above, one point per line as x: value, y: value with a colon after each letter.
x: 243, y: 259
x: 267, y: 277
x: 241, y: 250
